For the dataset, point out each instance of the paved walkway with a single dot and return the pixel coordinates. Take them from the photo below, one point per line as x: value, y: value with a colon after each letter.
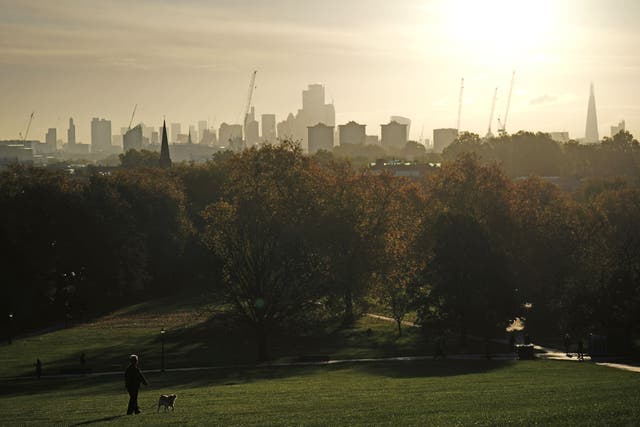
x: 544, y: 353
x: 505, y: 356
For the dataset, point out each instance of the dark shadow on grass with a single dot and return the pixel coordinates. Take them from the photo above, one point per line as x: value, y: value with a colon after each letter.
x: 97, y: 420
x: 434, y: 368
x: 231, y: 376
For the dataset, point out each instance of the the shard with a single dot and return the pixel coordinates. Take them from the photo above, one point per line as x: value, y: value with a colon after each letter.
x: 591, y: 133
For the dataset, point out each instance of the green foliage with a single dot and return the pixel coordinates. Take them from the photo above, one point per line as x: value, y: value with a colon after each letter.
x: 292, y: 240
x: 259, y: 229
x: 528, y: 154
x: 470, y: 287
x: 139, y: 159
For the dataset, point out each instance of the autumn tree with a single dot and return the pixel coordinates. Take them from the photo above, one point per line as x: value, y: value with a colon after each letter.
x: 464, y: 237
x: 396, y: 272
x: 260, y: 230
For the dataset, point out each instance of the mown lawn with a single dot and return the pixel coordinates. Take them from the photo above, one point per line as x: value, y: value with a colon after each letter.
x: 201, y: 333
x: 394, y: 393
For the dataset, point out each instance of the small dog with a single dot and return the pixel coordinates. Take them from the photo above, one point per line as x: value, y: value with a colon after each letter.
x: 167, y: 401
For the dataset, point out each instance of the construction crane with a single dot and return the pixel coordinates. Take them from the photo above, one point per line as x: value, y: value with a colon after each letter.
x: 503, y: 125
x: 460, y: 103
x: 26, y: 132
x: 493, y: 107
x: 252, y: 83
x: 132, y: 114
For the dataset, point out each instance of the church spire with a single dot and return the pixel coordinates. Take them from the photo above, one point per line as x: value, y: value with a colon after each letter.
x: 165, y: 160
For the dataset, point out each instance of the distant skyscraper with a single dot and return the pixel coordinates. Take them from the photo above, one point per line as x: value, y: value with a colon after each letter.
x: 193, y: 133
x: 591, y: 134
x: 617, y: 129
x: 269, y: 128
x: 71, y: 133
x: 100, y: 135
x: 165, y: 159
x: 352, y: 133
x: 132, y: 140
x: 251, y: 129
x: 202, y: 126
x: 313, y: 111
x: 230, y: 136
x: 442, y: 138
x: 208, y: 137
x: 176, y: 129
x: 286, y: 128
x: 313, y: 97
x: 51, y: 139
x: 320, y: 138
x: 394, y: 135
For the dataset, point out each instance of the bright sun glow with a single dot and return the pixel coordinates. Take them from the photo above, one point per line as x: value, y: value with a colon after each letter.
x: 498, y: 28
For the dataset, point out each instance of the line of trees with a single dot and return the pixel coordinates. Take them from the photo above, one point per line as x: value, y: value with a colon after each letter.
x: 527, y: 153
x: 286, y: 237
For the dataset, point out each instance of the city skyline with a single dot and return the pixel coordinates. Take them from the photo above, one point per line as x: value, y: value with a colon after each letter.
x: 86, y: 59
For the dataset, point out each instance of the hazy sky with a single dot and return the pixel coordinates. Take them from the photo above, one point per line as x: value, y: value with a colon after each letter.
x: 192, y: 59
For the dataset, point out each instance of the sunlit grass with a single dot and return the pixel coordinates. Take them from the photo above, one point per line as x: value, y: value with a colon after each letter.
x: 410, y: 393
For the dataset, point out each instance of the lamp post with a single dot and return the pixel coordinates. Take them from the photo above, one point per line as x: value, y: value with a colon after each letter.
x: 10, y: 327
x: 162, y: 332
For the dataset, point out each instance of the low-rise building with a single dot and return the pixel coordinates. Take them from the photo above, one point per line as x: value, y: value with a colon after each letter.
x: 320, y: 137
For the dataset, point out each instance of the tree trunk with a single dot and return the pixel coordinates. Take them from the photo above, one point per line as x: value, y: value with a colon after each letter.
x: 399, y: 323
x: 263, y: 352
x: 348, y: 307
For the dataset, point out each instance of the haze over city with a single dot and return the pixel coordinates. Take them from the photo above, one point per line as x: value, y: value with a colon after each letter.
x: 191, y: 60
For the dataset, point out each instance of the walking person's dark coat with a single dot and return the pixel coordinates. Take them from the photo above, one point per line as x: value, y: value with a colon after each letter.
x: 132, y: 379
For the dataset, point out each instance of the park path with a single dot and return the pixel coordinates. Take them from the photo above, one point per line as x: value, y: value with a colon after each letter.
x: 546, y: 353
x: 505, y: 356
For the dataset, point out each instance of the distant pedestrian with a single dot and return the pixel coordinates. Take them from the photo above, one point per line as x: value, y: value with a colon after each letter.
x: 566, y: 340
x: 487, y: 349
x: 439, y: 350
x: 580, y: 350
x: 38, y: 368
x: 132, y: 379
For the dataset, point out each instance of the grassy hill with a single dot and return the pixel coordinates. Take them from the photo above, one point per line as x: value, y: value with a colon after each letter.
x: 202, y: 333
x: 396, y: 393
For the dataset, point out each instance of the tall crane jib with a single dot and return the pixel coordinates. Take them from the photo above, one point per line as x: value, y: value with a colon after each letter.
x: 460, y: 103
x: 493, y: 107
x: 132, y: 115
x: 26, y: 132
x: 503, y: 128
x: 252, y: 83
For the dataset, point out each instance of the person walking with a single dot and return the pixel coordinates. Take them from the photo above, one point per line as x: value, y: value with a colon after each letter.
x: 132, y: 379
x: 567, y: 343
x: 580, y: 350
